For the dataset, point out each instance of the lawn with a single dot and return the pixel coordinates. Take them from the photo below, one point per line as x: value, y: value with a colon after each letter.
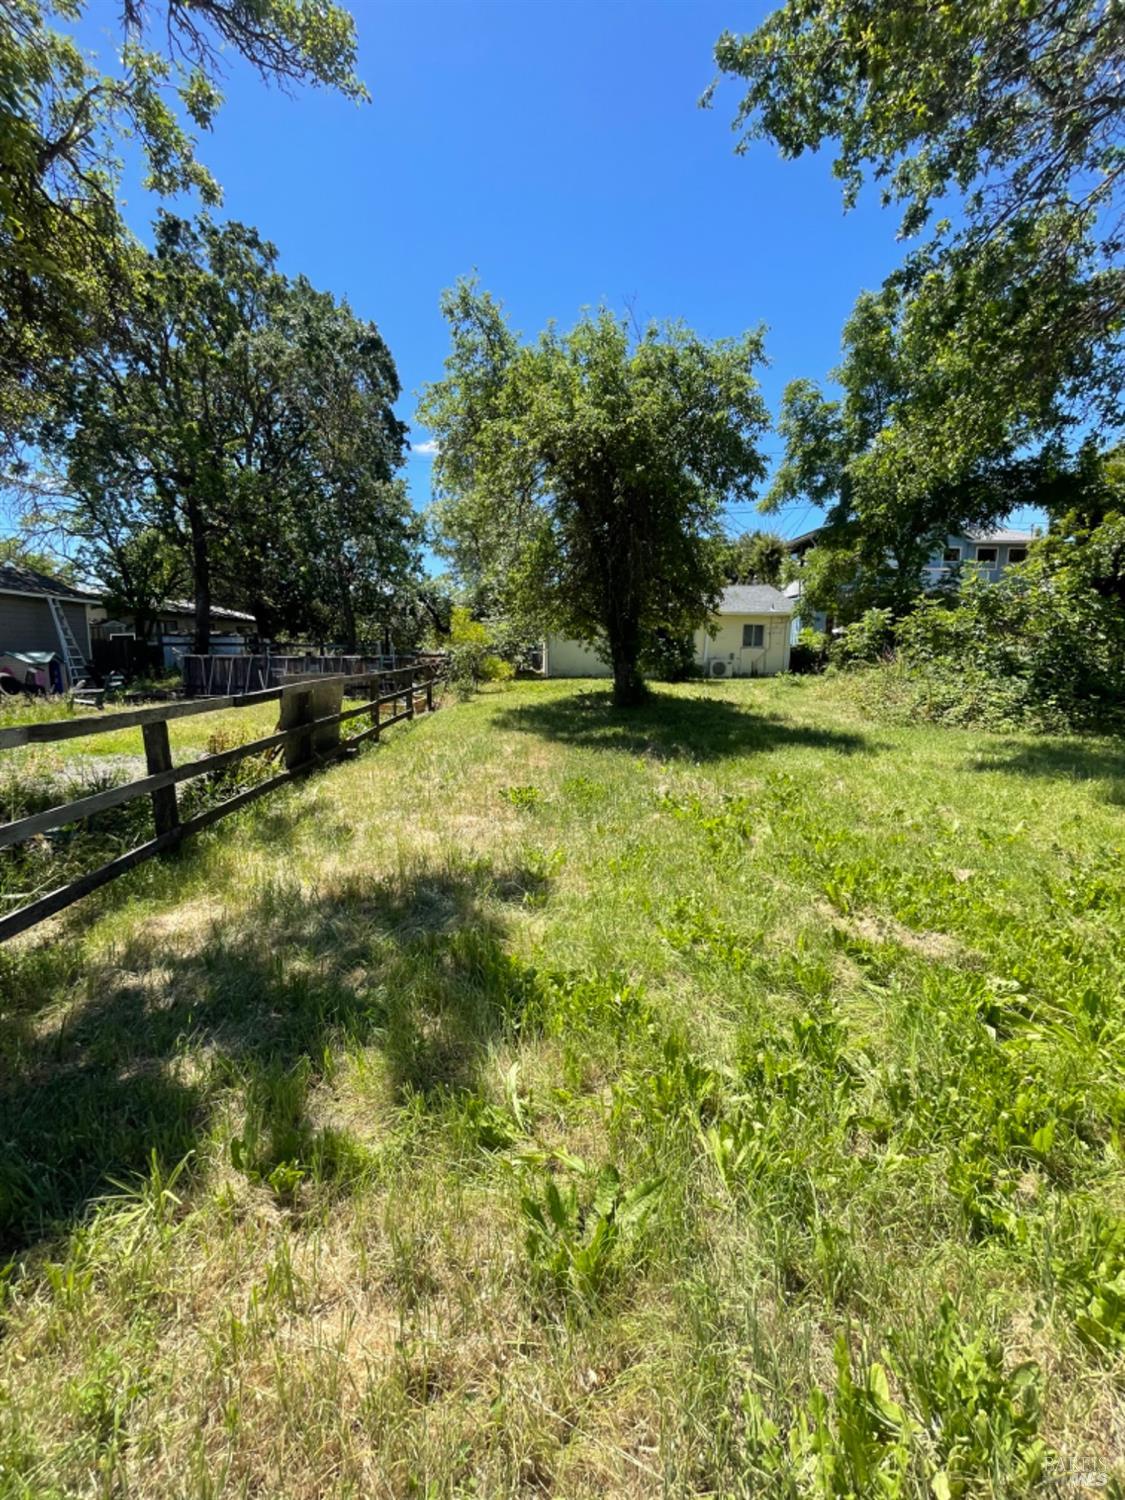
x: 190, y: 736
x: 722, y: 1098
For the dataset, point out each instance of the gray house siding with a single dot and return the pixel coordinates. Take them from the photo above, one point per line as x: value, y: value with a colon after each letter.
x: 78, y: 619
x: 26, y: 624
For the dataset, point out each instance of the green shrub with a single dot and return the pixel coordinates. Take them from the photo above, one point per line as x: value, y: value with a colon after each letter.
x: 474, y: 648
x: 1041, y: 648
x: 868, y: 639
x: 809, y: 652
x: 669, y: 657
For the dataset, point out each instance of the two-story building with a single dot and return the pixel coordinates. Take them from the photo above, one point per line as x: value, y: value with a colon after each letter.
x: 989, y: 552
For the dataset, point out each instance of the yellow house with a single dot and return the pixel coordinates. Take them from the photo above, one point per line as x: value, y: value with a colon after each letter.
x: 748, y: 637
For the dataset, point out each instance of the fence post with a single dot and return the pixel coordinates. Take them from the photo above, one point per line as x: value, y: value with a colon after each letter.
x: 430, y: 692
x: 410, y: 695
x: 158, y: 757
x: 297, y: 709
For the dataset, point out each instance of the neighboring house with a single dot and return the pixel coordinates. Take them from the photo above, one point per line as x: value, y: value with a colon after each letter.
x: 172, y: 636
x: 748, y: 637
x: 38, y: 613
x: 989, y: 552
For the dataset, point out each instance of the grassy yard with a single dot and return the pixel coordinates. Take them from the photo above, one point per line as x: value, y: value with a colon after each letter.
x: 724, y: 1098
x: 186, y: 736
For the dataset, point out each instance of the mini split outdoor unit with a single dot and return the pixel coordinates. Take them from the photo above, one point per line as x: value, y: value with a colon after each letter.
x: 722, y: 667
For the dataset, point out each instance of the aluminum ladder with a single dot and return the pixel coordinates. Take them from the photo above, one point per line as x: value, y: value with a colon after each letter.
x: 73, y: 658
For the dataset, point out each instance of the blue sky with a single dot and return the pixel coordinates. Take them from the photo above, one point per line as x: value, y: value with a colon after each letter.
x: 558, y: 151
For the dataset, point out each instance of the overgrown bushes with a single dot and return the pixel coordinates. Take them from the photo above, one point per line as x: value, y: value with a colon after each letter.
x: 669, y: 656
x: 473, y: 654
x: 868, y: 639
x: 1043, y: 647
x: 809, y: 652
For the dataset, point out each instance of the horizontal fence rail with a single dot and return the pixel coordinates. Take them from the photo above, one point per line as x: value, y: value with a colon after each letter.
x: 311, y: 714
x: 220, y: 675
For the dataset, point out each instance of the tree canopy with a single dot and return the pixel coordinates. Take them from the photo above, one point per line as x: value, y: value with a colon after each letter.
x: 582, y: 475
x: 755, y: 557
x: 236, y: 429
x: 1015, y: 104
x: 65, y: 256
x: 1006, y: 118
x: 906, y: 454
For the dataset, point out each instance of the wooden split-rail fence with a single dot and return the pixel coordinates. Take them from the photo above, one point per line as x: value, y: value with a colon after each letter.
x: 311, y: 714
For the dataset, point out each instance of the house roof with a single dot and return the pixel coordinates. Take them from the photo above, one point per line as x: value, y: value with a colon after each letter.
x: 1001, y: 536
x: 15, y: 579
x: 754, y: 599
x: 806, y: 539
x: 218, y: 612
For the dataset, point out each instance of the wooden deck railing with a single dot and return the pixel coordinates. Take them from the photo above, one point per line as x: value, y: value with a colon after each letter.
x: 311, y: 713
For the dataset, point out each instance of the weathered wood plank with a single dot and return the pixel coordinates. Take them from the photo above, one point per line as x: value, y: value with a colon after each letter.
x: 58, y: 900
x: 106, y: 723
x: 373, y: 732
x: 55, y: 901
x: 87, y: 807
x: 364, y: 708
x: 70, y: 729
x: 158, y: 757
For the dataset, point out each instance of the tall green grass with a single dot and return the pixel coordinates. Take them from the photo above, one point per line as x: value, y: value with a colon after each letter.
x: 722, y: 1098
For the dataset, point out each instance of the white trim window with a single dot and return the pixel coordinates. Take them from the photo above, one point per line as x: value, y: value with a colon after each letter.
x: 988, y: 557
x: 951, y: 555
x: 1017, y: 554
x: 753, y: 637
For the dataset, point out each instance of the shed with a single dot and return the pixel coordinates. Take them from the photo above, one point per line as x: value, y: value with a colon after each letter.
x: 748, y: 637
x: 37, y: 610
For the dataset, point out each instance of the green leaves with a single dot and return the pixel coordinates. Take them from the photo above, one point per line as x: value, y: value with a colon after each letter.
x: 1044, y: 646
x: 1090, y: 1281
x: 995, y: 336
x: 580, y: 478
x: 237, y: 434
x: 575, y: 1242
x: 66, y: 258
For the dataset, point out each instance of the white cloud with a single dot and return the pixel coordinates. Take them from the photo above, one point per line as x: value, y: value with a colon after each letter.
x: 427, y: 450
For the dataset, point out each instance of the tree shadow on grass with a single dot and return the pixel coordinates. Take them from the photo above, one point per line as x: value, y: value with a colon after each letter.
x: 107, y: 1061
x: 698, y: 727
x: 1064, y: 760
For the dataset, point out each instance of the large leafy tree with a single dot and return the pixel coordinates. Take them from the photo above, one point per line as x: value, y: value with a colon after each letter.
x: 1005, y: 116
x: 159, y: 415
x: 65, y: 257
x: 361, y: 536
x: 583, y: 474
x: 904, y: 455
x: 244, y: 422
x: 1087, y: 531
x: 322, y: 535
x: 754, y: 557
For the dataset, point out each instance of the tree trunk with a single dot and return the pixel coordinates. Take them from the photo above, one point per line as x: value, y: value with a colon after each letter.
x: 347, y: 615
x: 201, y: 577
x: 628, y: 685
x: 629, y: 689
